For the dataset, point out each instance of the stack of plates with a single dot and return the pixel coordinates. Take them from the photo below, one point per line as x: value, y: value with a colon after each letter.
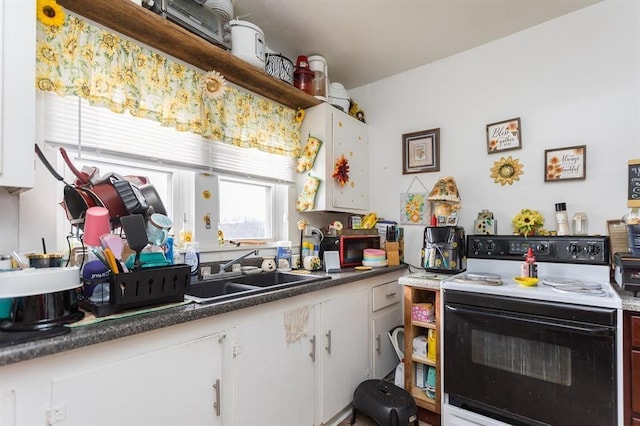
x: 223, y: 8
x: 375, y: 263
x: 374, y: 258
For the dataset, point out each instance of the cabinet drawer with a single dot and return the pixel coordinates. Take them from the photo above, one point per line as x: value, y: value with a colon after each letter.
x: 385, y: 295
x: 635, y: 381
x: 635, y: 331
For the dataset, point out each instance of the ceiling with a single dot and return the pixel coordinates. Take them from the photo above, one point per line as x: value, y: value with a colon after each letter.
x: 367, y: 40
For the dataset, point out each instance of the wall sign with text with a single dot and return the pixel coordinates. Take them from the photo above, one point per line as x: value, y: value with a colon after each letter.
x: 504, y: 136
x: 568, y: 163
x: 633, y: 185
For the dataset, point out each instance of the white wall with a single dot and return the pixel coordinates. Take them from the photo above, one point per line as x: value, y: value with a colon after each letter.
x: 572, y: 81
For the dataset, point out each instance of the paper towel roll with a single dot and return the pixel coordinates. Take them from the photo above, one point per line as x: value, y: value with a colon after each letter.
x: 420, y: 346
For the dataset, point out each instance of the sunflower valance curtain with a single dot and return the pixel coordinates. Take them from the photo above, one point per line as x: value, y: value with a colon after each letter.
x: 79, y: 59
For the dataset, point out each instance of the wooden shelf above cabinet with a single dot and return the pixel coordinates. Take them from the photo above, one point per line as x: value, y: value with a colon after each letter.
x: 138, y: 23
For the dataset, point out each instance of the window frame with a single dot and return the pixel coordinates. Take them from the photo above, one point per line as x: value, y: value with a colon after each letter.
x: 182, y: 196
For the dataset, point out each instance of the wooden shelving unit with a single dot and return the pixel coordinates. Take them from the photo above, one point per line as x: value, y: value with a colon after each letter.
x: 140, y: 24
x: 413, y: 329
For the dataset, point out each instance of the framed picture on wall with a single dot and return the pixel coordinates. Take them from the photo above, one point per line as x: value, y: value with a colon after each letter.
x: 420, y: 151
x: 568, y: 163
x: 504, y: 136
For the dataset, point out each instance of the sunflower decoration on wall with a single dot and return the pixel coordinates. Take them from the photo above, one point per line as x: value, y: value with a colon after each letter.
x: 50, y: 13
x: 341, y: 170
x: 213, y: 85
x: 507, y: 170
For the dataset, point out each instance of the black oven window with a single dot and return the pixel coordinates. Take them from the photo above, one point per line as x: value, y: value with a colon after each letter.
x: 530, y: 358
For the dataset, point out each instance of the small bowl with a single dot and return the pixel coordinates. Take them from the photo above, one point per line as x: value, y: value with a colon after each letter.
x: 526, y: 281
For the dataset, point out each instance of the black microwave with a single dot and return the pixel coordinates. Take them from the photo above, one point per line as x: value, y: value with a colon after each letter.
x: 349, y: 247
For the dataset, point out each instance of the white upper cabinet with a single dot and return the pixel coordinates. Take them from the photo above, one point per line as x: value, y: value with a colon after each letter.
x: 341, y: 136
x: 17, y: 92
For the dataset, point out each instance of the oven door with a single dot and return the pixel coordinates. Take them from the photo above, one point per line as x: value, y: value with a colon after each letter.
x: 530, y: 362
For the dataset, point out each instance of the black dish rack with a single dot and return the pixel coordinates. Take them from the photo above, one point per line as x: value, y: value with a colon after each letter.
x: 147, y: 287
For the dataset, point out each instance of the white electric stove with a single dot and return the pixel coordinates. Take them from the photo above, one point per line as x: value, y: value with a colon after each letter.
x: 498, y: 334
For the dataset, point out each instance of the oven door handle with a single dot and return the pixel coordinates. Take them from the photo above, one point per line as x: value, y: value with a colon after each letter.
x: 592, y: 331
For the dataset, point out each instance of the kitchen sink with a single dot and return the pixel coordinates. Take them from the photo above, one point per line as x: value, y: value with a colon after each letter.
x: 217, y: 288
x: 222, y: 288
x: 270, y: 279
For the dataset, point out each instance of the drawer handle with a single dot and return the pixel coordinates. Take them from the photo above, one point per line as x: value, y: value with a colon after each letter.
x: 391, y: 294
x: 378, y: 344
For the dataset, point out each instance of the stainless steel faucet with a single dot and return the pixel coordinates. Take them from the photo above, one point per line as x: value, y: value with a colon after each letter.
x: 231, y: 262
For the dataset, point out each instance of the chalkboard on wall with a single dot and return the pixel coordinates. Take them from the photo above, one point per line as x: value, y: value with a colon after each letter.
x: 633, y: 193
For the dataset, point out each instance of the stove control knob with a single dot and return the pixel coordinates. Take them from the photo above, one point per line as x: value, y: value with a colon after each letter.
x: 574, y: 248
x: 477, y: 245
x: 491, y: 246
x: 593, y: 249
x: 542, y: 248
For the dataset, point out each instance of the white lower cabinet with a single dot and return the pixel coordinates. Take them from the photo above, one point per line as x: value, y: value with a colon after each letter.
x: 292, y: 362
x: 385, y: 358
x: 163, y: 387
x: 387, y: 315
x: 300, y: 365
x: 344, y: 346
x: 167, y: 377
x: 275, y: 371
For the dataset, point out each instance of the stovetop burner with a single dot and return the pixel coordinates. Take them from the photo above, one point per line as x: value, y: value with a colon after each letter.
x: 480, y: 278
x: 571, y: 285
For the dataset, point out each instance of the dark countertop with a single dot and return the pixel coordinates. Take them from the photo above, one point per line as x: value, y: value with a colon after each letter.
x: 146, y: 321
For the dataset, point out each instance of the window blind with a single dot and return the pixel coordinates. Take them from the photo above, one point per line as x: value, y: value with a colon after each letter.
x: 71, y: 121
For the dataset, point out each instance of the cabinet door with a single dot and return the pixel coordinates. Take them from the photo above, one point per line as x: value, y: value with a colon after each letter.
x: 165, y: 387
x: 350, y: 140
x: 17, y: 93
x: 385, y: 358
x: 275, y: 383
x: 345, y: 346
x: 635, y: 381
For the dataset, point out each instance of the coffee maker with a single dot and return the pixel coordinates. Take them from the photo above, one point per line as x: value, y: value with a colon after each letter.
x: 444, y: 249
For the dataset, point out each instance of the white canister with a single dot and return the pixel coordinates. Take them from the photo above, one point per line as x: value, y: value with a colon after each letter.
x: 247, y: 42
x: 318, y: 65
x: 339, y: 96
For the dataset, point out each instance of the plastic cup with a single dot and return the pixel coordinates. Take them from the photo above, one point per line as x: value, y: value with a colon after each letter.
x: 97, y: 222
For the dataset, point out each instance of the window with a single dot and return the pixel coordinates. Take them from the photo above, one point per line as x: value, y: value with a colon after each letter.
x: 250, y: 188
x: 246, y: 209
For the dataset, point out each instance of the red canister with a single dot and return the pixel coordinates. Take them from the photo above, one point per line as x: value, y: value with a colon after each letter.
x: 303, y: 76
